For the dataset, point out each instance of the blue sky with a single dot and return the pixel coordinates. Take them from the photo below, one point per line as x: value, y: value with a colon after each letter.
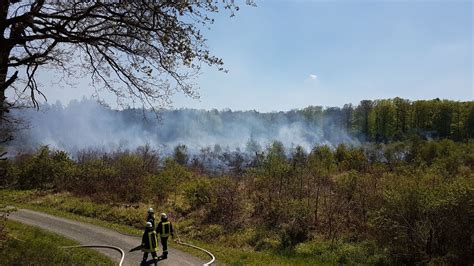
x: 353, y: 50
x: 283, y: 55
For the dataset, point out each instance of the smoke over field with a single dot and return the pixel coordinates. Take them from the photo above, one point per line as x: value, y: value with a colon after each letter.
x: 87, y: 124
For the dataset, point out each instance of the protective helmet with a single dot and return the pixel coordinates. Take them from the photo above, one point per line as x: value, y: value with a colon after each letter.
x: 149, y: 225
x: 163, y: 215
x: 150, y: 210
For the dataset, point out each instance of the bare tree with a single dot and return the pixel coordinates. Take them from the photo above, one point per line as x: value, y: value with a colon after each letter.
x: 142, y: 50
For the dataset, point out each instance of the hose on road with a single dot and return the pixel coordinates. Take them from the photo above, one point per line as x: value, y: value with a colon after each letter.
x: 196, y: 247
x: 213, y: 258
x: 101, y: 246
x: 178, y: 241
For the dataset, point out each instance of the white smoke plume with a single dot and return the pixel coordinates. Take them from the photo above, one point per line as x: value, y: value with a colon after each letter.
x: 87, y: 124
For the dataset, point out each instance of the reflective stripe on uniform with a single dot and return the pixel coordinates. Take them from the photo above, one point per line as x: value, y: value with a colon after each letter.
x: 165, y: 229
x: 152, y: 241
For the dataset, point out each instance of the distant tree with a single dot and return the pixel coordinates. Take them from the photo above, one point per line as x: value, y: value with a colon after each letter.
x: 402, y: 110
x: 443, y: 118
x: 298, y: 157
x: 457, y: 121
x: 166, y: 183
x: 252, y: 146
x: 348, y: 116
x: 469, y: 125
x: 321, y: 163
x: 421, y: 119
x: 362, y: 118
x: 333, y: 121
x: 149, y: 158
x: 276, y: 151
x: 298, y: 161
x: 180, y: 154
x: 384, y: 120
x: 313, y: 114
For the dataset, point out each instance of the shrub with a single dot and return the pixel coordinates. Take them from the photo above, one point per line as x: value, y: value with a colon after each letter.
x: 418, y: 223
x: 198, y: 194
x: 45, y: 169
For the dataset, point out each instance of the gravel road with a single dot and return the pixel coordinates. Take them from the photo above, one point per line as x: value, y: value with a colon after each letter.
x: 91, y: 234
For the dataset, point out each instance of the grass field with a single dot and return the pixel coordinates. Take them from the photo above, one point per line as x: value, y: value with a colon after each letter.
x: 28, y: 245
x: 229, y: 249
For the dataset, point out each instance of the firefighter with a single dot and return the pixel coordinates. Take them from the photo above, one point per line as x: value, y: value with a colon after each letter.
x: 151, y: 217
x: 164, y: 229
x: 149, y: 243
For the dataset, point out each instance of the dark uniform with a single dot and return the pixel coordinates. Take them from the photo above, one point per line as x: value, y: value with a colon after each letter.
x: 165, y: 229
x: 151, y: 219
x: 149, y: 244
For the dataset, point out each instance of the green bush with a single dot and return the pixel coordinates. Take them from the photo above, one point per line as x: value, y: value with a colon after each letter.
x: 418, y: 223
x: 165, y: 185
x: 212, y: 232
x: 198, y: 193
x: 45, y: 169
x: 295, y: 224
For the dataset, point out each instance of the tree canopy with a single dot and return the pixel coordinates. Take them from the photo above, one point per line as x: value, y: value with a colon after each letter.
x: 139, y: 50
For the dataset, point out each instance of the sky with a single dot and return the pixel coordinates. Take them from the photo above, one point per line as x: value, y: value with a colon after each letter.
x: 285, y: 55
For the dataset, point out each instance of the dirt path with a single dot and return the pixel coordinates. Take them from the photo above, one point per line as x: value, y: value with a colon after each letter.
x: 91, y: 234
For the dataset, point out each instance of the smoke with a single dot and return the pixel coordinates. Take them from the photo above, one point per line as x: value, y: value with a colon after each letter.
x: 86, y: 124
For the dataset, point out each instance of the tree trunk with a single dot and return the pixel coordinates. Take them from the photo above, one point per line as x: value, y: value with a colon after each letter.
x: 5, y: 48
x: 429, y: 244
x: 316, y: 220
x: 3, y: 82
x: 301, y: 186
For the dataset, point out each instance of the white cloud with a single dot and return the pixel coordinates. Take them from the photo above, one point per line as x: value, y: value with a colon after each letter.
x: 313, y: 76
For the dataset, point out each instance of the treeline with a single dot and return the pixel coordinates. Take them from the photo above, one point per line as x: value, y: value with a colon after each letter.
x: 414, y: 199
x: 84, y: 124
x: 396, y: 119
x: 373, y: 121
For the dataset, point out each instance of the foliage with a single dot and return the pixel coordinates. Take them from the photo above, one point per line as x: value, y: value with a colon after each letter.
x: 42, y: 169
x: 410, y: 200
x: 143, y: 50
x: 421, y: 222
x: 198, y: 194
x: 167, y: 181
x: 180, y: 154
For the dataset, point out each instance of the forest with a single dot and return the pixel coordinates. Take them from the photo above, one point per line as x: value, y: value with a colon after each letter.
x: 403, y: 192
x: 87, y: 124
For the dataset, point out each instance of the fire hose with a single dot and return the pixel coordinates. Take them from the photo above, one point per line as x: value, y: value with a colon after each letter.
x: 213, y: 258
x: 122, y: 253
x: 178, y: 241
